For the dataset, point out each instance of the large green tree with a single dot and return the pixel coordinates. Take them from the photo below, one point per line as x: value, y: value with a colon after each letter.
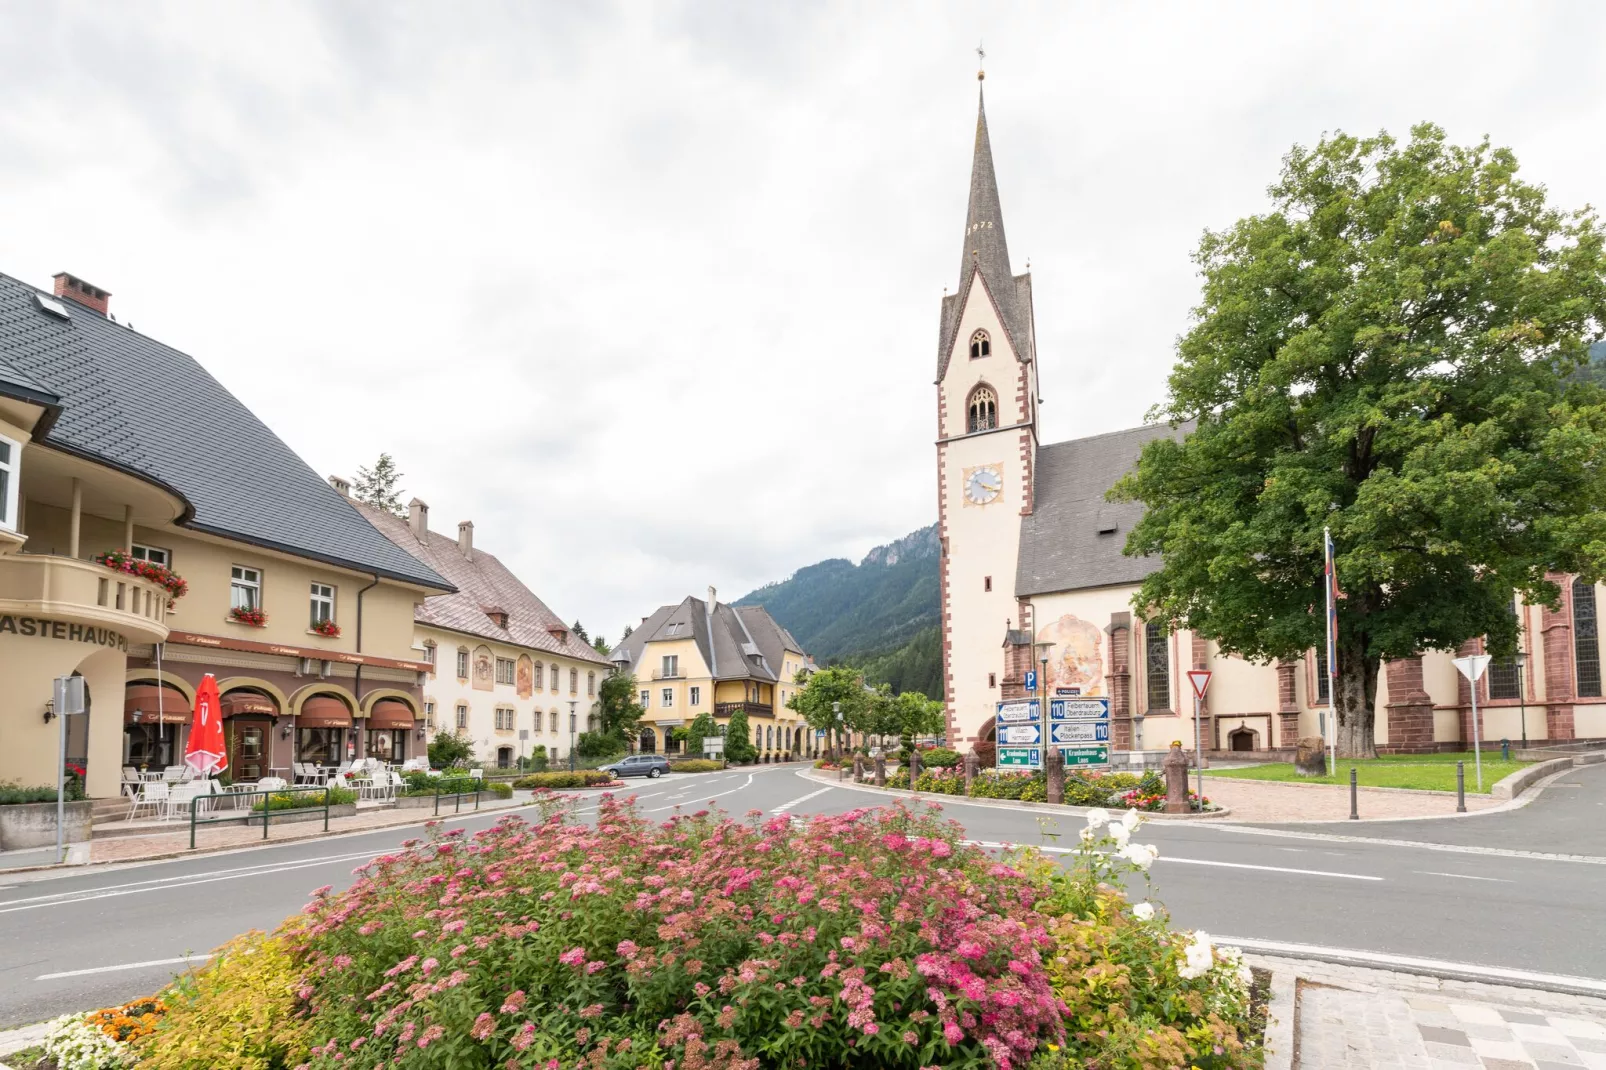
x: 617, y: 710
x: 829, y: 690
x: 703, y: 726
x: 1389, y: 351
x: 739, y: 739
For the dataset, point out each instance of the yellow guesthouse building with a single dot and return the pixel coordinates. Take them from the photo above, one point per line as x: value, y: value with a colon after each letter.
x: 111, y: 442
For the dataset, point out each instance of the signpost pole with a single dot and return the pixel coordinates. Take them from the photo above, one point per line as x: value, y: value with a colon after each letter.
x: 61, y: 767
x: 1477, y: 746
x: 1198, y: 750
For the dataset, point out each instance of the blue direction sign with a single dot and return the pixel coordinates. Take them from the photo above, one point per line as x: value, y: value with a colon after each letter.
x: 1031, y: 679
x: 1064, y: 732
x: 1020, y: 735
x: 1085, y: 708
x: 1019, y: 712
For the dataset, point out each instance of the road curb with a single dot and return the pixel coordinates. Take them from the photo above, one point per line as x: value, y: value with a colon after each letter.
x: 25, y: 1036
x: 1280, y: 1014
x: 1420, y: 967
x: 999, y: 804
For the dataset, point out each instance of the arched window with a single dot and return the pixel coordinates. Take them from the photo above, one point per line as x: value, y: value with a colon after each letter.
x: 982, y: 410
x: 980, y: 345
x: 591, y: 685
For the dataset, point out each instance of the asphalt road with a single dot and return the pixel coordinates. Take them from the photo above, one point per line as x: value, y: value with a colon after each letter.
x: 78, y: 940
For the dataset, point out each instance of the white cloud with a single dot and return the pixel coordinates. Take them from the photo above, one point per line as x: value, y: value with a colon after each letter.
x: 651, y: 292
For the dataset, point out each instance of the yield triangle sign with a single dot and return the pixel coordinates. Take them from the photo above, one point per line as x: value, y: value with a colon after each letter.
x: 1200, y: 679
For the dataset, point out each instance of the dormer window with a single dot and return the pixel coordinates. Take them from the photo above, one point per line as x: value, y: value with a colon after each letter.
x: 980, y: 345
x: 982, y: 410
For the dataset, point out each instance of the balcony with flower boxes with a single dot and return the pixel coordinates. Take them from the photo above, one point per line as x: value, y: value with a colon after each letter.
x: 752, y: 709
x: 56, y: 596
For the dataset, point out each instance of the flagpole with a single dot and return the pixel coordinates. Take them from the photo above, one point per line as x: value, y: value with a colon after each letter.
x: 1332, y: 655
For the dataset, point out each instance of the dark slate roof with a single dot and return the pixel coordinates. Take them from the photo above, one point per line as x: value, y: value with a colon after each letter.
x: 986, y: 256
x: 737, y: 643
x: 13, y: 383
x: 133, y: 403
x: 483, y: 583
x: 1061, y: 547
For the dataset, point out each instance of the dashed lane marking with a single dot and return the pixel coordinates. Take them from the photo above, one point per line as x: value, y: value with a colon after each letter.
x: 785, y: 806
x: 124, y: 966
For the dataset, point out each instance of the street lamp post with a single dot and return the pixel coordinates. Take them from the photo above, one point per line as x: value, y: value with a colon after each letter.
x: 836, y: 708
x: 572, y: 718
x: 1522, y: 699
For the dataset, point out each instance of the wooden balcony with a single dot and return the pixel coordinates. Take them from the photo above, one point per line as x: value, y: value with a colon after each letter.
x: 752, y: 709
x: 61, y: 593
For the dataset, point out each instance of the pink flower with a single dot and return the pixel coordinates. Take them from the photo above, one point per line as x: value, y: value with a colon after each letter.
x: 524, y: 1037
x: 484, y: 1026
x: 514, y: 1002
x: 952, y: 1033
x: 911, y: 1037
x: 573, y: 957
x: 596, y: 965
x: 430, y: 1035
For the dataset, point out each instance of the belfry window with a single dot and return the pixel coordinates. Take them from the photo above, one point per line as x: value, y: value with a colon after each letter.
x: 982, y: 410
x: 980, y: 345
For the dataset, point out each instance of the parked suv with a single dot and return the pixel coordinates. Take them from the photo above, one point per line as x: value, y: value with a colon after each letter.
x: 653, y: 765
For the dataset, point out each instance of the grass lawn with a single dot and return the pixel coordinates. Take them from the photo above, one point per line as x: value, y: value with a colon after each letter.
x: 1434, y: 772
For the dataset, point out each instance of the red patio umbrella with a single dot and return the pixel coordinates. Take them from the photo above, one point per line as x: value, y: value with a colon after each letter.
x: 205, y: 752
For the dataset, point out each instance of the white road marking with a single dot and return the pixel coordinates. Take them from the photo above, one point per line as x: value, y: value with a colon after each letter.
x: 125, y: 966
x: 747, y: 784
x: 1195, y: 862
x: 1463, y: 876
x: 784, y: 807
x: 1432, y: 967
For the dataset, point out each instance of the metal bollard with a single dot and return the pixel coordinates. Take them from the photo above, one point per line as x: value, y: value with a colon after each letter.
x: 1505, y: 750
x: 1460, y: 787
x: 1354, y: 797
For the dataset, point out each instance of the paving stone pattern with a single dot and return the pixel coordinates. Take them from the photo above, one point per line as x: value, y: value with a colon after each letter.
x: 1353, y: 1018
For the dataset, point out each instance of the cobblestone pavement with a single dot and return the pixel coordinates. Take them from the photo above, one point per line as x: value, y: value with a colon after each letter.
x: 1349, y: 1017
x: 1272, y: 801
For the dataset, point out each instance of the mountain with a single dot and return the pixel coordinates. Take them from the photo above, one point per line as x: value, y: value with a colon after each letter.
x: 880, y: 614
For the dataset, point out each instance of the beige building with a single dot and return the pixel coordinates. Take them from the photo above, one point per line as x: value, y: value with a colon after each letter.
x: 707, y: 657
x: 504, y: 670
x: 1033, y: 576
x: 111, y: 442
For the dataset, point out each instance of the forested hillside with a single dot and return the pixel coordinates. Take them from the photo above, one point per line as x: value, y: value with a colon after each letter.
x: 880, y: 614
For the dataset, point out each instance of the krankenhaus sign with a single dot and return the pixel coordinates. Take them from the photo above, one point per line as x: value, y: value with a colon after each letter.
x: 63, y: 631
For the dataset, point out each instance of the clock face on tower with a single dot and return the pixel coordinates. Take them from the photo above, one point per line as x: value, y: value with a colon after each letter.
x: 983, y: 484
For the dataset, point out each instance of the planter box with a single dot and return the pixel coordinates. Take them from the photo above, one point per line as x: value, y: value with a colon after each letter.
x: 285, y: 817
x: 34, y: 824
x: 449, y: 803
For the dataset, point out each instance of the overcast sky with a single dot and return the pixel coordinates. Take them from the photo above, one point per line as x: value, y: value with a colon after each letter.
x: 650, y: 292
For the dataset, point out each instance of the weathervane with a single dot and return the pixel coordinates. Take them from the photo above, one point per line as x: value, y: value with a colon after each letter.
x: 981, y: 62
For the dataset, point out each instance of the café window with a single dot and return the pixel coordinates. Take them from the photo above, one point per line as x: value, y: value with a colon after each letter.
x: 504, y: 671
x: 387, y: 744
x: 245, y: 588
x: 321, y: 746
x: 10, y: 456
x: 323, y: 603
x: 154, y: 554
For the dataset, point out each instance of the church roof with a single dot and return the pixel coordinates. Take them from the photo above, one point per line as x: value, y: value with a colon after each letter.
x: 986, y: 255
x: 1073, y: 537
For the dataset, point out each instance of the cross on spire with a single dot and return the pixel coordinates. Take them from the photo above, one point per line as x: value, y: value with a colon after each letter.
x: 981, y: 62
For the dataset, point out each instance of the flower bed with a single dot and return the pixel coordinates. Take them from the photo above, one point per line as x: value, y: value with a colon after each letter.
x: 875, y: 938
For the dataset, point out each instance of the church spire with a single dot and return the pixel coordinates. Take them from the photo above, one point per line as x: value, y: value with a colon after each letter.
x: 984, y: 222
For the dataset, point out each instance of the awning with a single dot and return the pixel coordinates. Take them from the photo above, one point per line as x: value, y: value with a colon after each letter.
x: 141, y: 703
x: 391, y: 713
x: 323, y: 711
x: 237, y: 702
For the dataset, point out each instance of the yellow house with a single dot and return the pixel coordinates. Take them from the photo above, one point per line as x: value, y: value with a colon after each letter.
x: 504, y: 670
x: 705, y: 657
x: 153, y: 530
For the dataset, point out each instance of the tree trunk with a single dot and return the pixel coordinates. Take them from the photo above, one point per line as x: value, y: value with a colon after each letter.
x: 1355, y: 695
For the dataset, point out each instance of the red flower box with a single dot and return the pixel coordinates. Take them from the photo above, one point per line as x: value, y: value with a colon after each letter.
x: 327, y: 628
x: 124, y: 562
x: 254, y: 617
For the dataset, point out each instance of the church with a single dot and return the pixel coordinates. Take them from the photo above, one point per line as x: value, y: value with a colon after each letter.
x: 1033, y: 577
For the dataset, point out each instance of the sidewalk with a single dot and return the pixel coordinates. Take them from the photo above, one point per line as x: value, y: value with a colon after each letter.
x: 1347, y: 1018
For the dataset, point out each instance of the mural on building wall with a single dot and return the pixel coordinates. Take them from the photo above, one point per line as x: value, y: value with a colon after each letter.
x: 525, y: 677
x: 484, y: 669
x: 1075, y: 655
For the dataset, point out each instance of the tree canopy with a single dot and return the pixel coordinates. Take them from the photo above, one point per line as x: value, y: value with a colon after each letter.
x: 377, y: 485
x: 738, y: 739
x: 815, y: 701
x: 1389, y: 352
x: 617, y: 710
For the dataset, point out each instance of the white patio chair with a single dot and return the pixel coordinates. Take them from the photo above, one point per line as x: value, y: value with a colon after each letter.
x: 131, y: 781
x: 182, y: 797
x: 175, y: 773
x: 343, y: 767
x: 152, y: 796
x: 271, y: 783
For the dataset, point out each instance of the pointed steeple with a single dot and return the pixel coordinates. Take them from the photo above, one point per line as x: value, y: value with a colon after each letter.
x: 984, y: 222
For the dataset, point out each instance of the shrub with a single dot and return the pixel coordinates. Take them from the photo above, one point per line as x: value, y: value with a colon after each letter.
x: 1004, y: 784
x: 697, y: 765
x: 872, y: 938
x: 305, y: 800
x: 939, y: 758
x: 447, y: 750
x: 235, y: 1013
x: 600, y: 745
x: 581, y: 778
x: 13, y: 795
x: 500, y: 788
x: 986, y: 751
x: 739, y: 739
x: 417, y: 783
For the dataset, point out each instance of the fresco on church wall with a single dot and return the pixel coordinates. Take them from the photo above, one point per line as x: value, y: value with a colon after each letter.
x: 1075, y: 655
x: 484, y: 669
x: 525, y: 677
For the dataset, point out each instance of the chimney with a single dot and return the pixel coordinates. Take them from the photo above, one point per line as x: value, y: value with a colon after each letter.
x: 342, y: 485
x: 418, y: 519
x: 465, y: 538
x: 713, y: 599
x: 75, y: 289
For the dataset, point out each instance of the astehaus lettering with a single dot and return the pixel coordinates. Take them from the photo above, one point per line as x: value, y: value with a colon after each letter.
x: 60, y: 629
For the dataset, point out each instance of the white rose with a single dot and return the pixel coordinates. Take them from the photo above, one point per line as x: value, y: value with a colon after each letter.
x: 1131, y: 820
x: 1098, y: 817
x: 1089, y: 835
x: 1119, y: 833
x: 1143, y: 911
x: 1138, y: 854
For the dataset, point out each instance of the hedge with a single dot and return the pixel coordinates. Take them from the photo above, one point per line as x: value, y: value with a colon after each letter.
x: 697, y: 765
x: 582, y: 778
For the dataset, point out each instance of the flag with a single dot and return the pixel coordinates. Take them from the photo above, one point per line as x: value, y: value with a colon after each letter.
x: 1333, y: 595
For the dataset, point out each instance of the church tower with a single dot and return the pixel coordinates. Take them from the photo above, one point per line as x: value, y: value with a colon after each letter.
x: 986, y: 449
